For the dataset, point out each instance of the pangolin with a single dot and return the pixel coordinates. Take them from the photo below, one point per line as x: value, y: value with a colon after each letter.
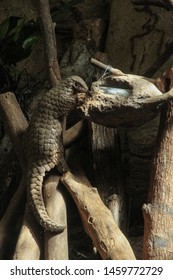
x: 43, y: 142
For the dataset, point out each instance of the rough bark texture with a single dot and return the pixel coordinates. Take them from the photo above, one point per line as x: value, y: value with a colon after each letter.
x: 107, y: 166
x: 15, y: 122
x: 98, y: 220
x: 158, y: 212
x: 49, y: 41
x: 113, y: 109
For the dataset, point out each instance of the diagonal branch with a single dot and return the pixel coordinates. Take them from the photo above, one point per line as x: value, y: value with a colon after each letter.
x: 165, y: 4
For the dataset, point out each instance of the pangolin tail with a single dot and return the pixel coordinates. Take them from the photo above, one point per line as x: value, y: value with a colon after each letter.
x: 35, y: 199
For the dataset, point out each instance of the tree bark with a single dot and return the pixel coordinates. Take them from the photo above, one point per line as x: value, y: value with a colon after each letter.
x: 158, y: 212
x: 56, y: 245
x: 15, y: 122
x: 107, y: 171
x: 29, y: 243
x: 10, y: 218
x: 48, y: 30
x: 98, y: 220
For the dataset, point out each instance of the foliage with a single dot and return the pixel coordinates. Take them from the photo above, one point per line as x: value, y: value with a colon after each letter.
x: 18, y: 36
x: 17, y: 39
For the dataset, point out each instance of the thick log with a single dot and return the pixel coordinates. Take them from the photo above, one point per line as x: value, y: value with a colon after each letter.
x: 158, y: 212
x: 98, y: 220
x: 56, y: 245
x: 15, y: 122
x: 29, y: 245
x: 10, y: 218
x: 107, y: 171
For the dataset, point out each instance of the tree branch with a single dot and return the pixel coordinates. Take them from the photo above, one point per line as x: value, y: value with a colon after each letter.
x: 48, y: 27
x: 165, y: 4
x: 15, y: 122
x: 98, y: 220
x: 108, y: 68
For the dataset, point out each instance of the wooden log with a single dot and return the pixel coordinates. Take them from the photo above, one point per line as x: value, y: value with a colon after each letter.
x: 15, y: 122
x: 98, y: 221
x: 29, y: 245
x: 78, y: 162
x: 158, y: 212
x: 10, y: 218
x: 107, y: 171
x: 56, y: 245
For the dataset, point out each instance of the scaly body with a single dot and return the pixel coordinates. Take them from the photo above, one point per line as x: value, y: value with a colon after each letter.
x: 43, y: 143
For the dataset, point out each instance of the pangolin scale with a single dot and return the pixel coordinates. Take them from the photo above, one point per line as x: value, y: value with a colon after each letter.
x: 43, y: 143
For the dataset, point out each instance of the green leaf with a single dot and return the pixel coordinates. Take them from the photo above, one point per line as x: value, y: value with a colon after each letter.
x: 4, y: 26
x: 15, y: 31
x: 29, y: 43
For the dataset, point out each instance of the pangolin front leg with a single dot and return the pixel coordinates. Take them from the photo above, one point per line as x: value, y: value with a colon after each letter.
x: 44, y: 148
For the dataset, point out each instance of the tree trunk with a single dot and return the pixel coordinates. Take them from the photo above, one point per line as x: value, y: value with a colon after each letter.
x: 158, y: 212
x: 29, y: 243
x: 106, y: 165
